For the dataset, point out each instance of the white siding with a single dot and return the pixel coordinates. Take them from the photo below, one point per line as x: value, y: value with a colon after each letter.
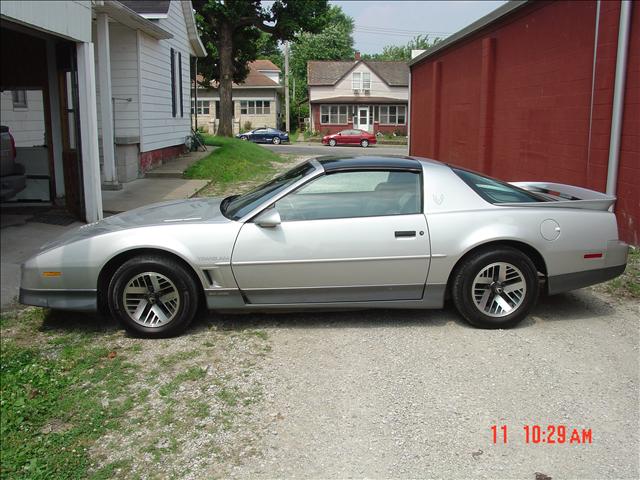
x: 344, y: 88
x: 70, y: 19
x: 160, y: 128
x: 26, y: 124
x: 124, y: 80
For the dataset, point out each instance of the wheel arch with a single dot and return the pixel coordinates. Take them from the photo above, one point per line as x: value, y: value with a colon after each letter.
x: 534, y: 255
x: 110, y: 267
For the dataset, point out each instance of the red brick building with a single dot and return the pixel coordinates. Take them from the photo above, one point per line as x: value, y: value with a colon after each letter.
x: 527, y: 93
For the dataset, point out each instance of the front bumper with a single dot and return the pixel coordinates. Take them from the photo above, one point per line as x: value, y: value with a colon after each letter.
x: 82, y: 300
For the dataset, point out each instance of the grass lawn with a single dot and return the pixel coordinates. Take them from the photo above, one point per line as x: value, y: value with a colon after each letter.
x: 626, y: 285
x: 233, y: 161
x: 81, y: 399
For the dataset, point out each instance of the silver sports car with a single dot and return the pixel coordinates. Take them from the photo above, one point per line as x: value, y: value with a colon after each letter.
x: 337, y: 232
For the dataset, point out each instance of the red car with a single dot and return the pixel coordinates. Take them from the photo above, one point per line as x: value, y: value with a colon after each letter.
x: 350, y: 137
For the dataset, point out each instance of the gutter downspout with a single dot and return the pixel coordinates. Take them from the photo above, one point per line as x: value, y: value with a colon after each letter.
x: 618, y: 96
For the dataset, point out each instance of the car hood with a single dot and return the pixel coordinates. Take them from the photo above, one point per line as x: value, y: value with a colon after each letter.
x: 193, y: 210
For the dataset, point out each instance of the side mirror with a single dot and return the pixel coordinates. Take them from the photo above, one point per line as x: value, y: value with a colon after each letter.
x: 268, y: 219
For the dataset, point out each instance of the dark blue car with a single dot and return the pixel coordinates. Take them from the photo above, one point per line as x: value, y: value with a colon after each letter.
x: 264, y: 135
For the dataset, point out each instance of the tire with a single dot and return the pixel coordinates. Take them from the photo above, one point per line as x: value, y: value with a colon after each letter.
x: 135, y: 278
x: 487, y: 301
x: 332, y: 142
x: 364, y: 143
x: 244, y: 137
x: 276, y: 140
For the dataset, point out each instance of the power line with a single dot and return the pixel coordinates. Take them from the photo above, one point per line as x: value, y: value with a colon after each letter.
x: 396, y: 30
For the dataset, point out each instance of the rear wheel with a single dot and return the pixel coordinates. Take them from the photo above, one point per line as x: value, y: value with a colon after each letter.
x: 364, y: 143
x: 153, y: 296
x: 276, y: 140
x: 332, y: 142
x: 495, y: 288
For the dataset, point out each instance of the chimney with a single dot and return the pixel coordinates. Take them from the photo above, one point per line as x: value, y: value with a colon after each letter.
x: 357, y: 55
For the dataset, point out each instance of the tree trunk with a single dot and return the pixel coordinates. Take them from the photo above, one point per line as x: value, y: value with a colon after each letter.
x: 225, y: 50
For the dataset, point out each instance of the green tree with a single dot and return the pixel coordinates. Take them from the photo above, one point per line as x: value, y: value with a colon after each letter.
x: 403, y: 52
x: 334, y: 42
x: 231, y: 31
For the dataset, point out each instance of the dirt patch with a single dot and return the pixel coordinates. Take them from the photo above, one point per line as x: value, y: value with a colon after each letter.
x: 192, y: 405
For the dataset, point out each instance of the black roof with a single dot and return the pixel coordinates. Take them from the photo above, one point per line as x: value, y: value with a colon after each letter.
x: 369, y: 162
x: 148, y: 7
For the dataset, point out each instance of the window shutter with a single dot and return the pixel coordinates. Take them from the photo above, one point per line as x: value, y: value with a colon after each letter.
x: 173, y: 83
x: 180, y: 83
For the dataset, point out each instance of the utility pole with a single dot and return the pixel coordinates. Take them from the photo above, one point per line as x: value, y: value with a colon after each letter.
x: 286, y: 86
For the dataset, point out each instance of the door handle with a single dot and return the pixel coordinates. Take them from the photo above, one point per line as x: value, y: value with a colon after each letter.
x: 405, y: 233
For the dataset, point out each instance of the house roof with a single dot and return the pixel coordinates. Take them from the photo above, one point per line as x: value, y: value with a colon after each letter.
x: 394, y: 74
x: 265, y: 65
x: 254, y: 79
x: 148, y: 7
x: 469, y: 30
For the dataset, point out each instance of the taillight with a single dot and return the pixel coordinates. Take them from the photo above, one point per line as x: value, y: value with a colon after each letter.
x: 13, y: 145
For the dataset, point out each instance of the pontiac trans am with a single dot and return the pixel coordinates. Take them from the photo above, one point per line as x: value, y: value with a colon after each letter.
x: 336, y: 233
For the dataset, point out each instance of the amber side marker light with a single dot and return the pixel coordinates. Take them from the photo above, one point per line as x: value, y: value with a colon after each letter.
x: 593, y: 255
x: 51, y: 274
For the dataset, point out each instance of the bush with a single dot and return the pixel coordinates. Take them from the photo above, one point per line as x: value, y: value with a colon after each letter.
x: 247, y: 126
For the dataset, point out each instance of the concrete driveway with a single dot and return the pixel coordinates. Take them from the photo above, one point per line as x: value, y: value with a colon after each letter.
x: 18, y: 243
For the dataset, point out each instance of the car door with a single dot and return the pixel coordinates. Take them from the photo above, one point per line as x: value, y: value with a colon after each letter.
x: 268, y: 135
x: 259, y: 135
x: 343, y: 237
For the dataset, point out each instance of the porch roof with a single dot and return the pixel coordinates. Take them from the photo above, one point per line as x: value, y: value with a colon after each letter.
x: 124, y: 15
x: 360, y: 100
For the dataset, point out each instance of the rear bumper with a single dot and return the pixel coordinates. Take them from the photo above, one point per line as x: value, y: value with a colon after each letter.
x: 82, y: 300
x: 615, y: 261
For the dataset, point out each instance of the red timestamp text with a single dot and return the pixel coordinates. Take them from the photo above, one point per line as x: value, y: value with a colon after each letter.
x: 545, y: 434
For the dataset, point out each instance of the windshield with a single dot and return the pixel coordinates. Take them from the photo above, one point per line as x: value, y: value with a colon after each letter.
x: 496, y: 191
x: 236, y: 207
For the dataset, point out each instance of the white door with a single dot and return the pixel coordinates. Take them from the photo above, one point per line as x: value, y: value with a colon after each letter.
x: 363, y: 118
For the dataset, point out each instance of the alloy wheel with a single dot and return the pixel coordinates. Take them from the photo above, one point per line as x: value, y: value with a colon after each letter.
x: 499, y: 289
x: 151, y: 299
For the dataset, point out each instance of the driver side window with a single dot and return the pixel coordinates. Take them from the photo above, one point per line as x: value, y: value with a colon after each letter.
x: 352, y: 195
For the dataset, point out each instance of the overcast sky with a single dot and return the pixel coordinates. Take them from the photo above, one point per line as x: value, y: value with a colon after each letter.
x: 395, y: 22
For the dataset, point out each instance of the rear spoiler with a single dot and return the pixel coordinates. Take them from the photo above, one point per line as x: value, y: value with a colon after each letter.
x: 565, y: 196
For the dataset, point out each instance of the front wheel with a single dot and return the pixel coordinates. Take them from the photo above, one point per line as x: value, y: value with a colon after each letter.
x: 332, y: 142
x: 495, y: 288
x: 244, y: 137
x: 276, y: 140
x: 153, y: 296
x: 364, y: 143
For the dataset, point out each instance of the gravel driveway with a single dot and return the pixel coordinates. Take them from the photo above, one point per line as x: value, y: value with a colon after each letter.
x: 406, y: 394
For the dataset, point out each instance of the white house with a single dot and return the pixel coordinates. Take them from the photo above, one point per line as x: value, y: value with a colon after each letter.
x: 368, y: 95
x: 256, y: 101
x: 113, y: 78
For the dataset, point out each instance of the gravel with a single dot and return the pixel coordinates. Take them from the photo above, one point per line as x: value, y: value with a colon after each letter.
x: 406, y: 394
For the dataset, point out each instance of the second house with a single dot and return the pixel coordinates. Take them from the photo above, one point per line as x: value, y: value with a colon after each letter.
x: 367, y: 95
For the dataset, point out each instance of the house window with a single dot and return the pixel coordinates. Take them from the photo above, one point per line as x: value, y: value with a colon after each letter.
x: 173, y: 82
x: 333, y: 114
x: 366, y: 81
x: 204, y: 107
x: 392, y: 114
x: 180, y: 83
x: 19, y: 98
x: 355, y: 81
x: 255, y: 107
